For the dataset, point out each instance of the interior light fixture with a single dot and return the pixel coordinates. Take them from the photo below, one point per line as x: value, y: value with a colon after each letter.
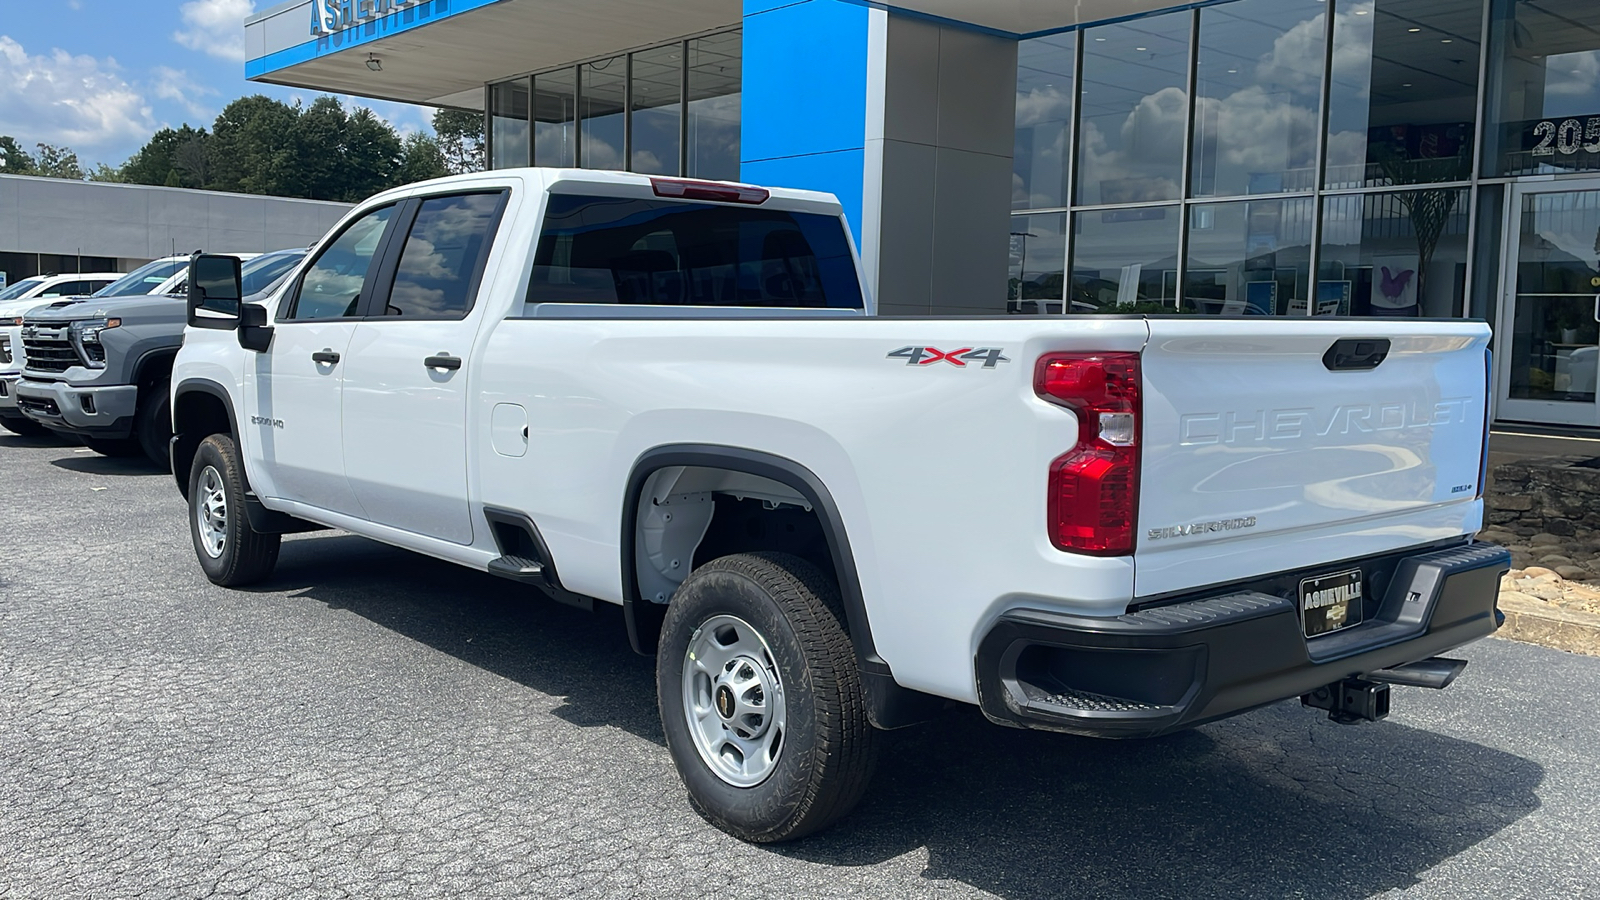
x: 1445, y: 41
x: 1361, y: 12
x: 1138, y: 48
x: 374, y: 63
x: 1413, y: 30
x: 1101, y: 40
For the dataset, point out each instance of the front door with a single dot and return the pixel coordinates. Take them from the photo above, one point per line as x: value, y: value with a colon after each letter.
x: 298, y: 382
x: 407, y: 374
x: 1548, y: 341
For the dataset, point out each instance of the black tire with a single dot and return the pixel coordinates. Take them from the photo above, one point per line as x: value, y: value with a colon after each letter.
x: 120, y: 448
x: 829, y: 748
x: 152, y: 425
x: 246, y: 555
x: 24, y: 426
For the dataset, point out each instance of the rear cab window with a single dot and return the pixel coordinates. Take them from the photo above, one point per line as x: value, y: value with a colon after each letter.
x: 615, y: 250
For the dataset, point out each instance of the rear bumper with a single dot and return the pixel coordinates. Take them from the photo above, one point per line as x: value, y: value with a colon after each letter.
x: 1162, y: 669
x: 97, y: 412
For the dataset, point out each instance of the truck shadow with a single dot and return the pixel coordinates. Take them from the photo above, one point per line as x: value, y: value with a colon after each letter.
x: 1275, y: 803
x: 95, y: 464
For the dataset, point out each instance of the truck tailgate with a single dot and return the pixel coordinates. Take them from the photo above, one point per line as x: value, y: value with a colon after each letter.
x: 1259, y: 456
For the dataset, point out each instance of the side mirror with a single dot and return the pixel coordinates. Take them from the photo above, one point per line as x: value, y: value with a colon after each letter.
x: 214, y: 291
x: 254, y: 332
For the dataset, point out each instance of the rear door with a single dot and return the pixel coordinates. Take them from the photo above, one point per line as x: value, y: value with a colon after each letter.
x: 1273, y: 446
x: 407, y: 374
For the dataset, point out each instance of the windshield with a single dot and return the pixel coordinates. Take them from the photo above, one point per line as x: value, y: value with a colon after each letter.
x: 20, y: 288
x: 264, y: 271
x: 144, y: 279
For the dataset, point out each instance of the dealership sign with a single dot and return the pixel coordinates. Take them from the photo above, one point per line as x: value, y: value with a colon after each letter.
x: 330, y: 16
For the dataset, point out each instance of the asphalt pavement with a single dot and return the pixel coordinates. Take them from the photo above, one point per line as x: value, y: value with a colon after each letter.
x: 371, y: 723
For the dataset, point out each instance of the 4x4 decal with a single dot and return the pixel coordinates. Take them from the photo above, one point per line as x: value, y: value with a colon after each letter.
x: 924, y: 356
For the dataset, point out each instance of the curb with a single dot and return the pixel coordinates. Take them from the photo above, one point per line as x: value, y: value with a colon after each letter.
x: 1535, y: 622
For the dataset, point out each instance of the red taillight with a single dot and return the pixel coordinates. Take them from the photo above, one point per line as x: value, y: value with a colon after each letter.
x: 1094, y: 488
x: 681, y: 189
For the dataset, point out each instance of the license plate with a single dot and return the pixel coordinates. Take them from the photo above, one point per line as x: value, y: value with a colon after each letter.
x: 1330, y: 602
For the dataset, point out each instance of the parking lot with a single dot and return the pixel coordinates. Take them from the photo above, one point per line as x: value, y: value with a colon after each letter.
x: 372, y: 723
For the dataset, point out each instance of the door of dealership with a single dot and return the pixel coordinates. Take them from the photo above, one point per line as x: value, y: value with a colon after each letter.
x: 1550, y: 304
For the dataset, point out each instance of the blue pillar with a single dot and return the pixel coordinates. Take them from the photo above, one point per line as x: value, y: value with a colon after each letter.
x: 804, y: 109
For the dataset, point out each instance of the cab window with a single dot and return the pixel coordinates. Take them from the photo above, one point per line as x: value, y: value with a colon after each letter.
x: 443, y: 256
x: 332, y: 284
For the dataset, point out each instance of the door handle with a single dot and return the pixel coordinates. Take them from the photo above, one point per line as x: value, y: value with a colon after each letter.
x: 443, y: 361
x: 326, y: 357
x: 1597, y: 307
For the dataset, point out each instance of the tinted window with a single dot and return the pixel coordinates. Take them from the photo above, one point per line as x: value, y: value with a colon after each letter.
x: 331, y: 287
x: 68, y: 289
x: 613, y: 250
x: 144, y: 279
x: 441, y: 256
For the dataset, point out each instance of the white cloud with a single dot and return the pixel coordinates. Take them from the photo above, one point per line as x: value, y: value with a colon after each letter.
x: 215, y: 27
x: 59, y: 98
x: 171, y: 84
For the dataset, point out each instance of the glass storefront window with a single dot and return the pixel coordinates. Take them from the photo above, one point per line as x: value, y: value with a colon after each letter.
x: 1249, y: 258
x: 656, y: 113
x: 1259, y: 81
x: 1403, y: 94
x: 1044, y: 122
x: 1037, y: 273
x: 1544, y: 89
x: 1553, y: 332
x: 508, y: 124
x: 555, y: 109
x: 601, y: 102
x: 1125, y: 260
x: 1135, y: 110
x: 713, y: 107
x: 1401, y: 253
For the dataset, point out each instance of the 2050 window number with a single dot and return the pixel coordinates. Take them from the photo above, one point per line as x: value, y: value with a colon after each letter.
x: 1567, y: 137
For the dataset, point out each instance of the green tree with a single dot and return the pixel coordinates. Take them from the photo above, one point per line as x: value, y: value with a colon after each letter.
x: 460, y: 138
x: 103, y: 172
x: 421, y: 158
x: 179, y: 153
x: 13, y: 159
x: 371, y: 157
x: 59, y: 162
x: 253, y: 148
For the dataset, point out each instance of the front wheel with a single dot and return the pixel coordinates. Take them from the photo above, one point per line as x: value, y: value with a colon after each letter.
x: 153, y: 424
x: 230, y: 551
x: 761, y: 700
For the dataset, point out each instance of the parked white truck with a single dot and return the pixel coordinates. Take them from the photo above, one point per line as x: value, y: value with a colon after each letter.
x: 672, y: 396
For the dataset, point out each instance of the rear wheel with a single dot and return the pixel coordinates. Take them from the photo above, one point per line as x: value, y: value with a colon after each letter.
x: 230, y: 551
x: 761, y: 700
x: 153, y: 423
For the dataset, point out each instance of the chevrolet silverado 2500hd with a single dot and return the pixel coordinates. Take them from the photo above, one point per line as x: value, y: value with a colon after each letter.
x: 672, y: 396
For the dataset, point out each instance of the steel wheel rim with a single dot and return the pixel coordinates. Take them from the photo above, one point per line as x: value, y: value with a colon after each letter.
x: 211, y: 512
x: 733, y: 701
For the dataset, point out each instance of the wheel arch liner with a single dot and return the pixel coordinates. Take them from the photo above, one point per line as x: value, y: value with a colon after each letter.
x: 890, y: 705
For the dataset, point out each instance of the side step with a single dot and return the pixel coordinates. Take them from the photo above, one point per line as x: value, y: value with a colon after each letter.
x: 519, y: 568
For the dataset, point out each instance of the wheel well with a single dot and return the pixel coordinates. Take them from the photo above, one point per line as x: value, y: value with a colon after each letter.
x: 154, y: 368
x: 196, y: 415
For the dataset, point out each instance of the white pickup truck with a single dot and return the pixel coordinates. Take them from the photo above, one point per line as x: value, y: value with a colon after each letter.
x: 673, y: 396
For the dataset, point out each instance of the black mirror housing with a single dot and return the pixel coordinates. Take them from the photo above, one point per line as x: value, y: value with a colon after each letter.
x: 254, y: 332
x: 215, y: 288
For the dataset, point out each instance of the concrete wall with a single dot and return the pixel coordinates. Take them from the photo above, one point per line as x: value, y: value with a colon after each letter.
x: 129, y: 221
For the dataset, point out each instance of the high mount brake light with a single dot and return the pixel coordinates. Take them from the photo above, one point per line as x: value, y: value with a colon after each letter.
x: 1094, y: 488
x: 683, y: 189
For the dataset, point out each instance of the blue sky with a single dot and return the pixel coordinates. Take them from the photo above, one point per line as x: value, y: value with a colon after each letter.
x: 100, y: 76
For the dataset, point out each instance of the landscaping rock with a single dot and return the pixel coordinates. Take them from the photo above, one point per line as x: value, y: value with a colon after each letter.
x: 1573, y: 573
x: 1537, y: 572
x: 1556, y: 561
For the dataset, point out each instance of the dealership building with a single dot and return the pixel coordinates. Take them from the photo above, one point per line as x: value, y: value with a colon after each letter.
x: 1373, y: 158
